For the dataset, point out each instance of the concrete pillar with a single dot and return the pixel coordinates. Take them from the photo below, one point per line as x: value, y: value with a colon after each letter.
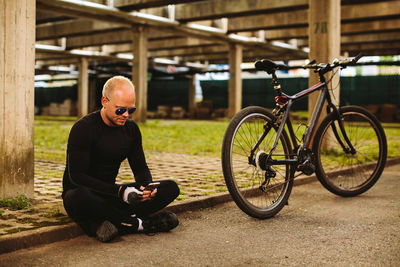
x: 192, y: 97
x: 235, y: 80
x: 17, y: 69
x: 324, y: 41
x: 83, y: 87
x: 139, y: 72
x: 93, y: 99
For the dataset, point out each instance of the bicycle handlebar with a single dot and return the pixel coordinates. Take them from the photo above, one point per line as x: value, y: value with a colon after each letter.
x: 269, y: 66
x: 323, y: 68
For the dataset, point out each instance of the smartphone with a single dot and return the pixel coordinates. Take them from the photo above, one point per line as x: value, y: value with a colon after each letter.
x: 151, y: 186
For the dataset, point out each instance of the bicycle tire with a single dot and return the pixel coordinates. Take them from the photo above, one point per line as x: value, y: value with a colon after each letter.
x: 244, y: 179
x: 349, y: 174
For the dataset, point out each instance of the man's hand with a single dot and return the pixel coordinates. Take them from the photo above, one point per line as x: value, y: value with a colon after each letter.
x: 147, y: 194
x: 132, y: 195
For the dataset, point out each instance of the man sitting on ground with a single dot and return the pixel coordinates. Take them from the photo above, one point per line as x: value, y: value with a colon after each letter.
x: 97, y: 145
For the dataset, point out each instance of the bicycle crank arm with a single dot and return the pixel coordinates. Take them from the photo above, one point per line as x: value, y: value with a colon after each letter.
x: 282, y: 162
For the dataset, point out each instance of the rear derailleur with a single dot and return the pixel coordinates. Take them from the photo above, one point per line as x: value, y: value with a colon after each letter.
x: 261, y: 163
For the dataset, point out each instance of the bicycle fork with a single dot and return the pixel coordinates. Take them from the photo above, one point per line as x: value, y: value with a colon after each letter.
x: 350, y: 149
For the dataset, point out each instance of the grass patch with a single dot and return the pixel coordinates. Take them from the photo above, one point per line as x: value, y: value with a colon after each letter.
x: 3, y: 225
x: 16, y: 230
x: 26, y: 220
x: 18, y: 203
x: 60, y: 221
x: 186, y: 137
x: 53, y: 212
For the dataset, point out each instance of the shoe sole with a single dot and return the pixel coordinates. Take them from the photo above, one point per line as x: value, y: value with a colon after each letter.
x: 106, y: 232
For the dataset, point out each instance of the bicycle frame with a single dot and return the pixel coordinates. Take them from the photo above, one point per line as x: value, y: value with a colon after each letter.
x: 284, y: 103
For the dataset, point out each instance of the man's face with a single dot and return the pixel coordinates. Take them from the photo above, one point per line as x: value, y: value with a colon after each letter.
x: 122, y: 97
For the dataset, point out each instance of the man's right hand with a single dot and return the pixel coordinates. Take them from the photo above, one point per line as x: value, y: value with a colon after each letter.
x: 132, y: 195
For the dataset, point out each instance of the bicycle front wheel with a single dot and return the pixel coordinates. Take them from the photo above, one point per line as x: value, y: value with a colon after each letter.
x: 344, y: 173
x: 257, y: 194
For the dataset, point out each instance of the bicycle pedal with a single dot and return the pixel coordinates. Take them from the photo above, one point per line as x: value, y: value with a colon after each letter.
x: 307, y: 168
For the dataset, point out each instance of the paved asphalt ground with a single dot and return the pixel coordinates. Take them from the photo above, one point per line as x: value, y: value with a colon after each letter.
x: 317, y: 228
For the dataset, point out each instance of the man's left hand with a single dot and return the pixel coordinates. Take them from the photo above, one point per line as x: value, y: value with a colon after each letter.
x: 147, y: 194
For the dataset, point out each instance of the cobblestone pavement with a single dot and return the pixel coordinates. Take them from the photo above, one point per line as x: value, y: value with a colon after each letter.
x: 196, y: 176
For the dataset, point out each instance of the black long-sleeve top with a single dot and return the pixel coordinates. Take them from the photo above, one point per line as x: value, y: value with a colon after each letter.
x: 95, y: 152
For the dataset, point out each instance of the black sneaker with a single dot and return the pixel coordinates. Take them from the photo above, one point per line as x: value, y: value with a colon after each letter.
x: 161, y: 222
x: 106, y: 231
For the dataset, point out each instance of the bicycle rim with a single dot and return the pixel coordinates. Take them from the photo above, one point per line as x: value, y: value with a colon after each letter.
x: 244, y: 179
x: 352, y: 174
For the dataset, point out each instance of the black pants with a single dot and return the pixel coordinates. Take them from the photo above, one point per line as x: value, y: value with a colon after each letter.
x: 89, y: 209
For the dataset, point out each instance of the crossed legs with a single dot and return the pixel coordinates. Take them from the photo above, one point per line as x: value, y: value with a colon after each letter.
x: 90, y: 209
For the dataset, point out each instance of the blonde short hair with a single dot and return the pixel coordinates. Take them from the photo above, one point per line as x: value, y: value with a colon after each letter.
x: 111, y: 83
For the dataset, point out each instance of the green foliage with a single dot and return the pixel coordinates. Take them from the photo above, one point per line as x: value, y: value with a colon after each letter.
x: 18, y: 203
x: 53, y: 212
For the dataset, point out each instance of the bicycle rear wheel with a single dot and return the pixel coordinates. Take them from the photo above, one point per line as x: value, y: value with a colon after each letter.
x: 348, y: 174
x: 242, y: 176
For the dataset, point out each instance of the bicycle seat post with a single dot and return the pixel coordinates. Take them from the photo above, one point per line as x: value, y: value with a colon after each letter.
x: 276, y: 84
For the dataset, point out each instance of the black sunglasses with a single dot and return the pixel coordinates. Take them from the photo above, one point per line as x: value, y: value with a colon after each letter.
x: 120, y: 111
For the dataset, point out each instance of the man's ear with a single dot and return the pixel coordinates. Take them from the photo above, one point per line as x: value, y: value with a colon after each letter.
x: 104, y: 101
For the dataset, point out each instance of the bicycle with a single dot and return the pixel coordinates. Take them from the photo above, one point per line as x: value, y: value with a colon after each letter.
x: 347, y: 151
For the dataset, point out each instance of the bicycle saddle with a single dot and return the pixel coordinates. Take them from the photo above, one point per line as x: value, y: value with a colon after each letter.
x: 269, y: 66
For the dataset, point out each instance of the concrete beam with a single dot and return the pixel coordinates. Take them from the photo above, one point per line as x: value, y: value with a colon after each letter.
x: 220, y: 8
x: 279, y: 20
x: 56, y: 62
x: 369, y: 27
x: 74, y: 28
x: 161, y: 47
x: 377, y: 38
x: 125, y: 36
x: 372, y: 11
x: 392, y: 48
x: 295, y: 19
x: 190, y: 51
x: 43, y: 17
x: 248, y: 56
x: 98, y: 39
x: 89, y: 27
x: 140, y: 4
x: 77, y: 53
